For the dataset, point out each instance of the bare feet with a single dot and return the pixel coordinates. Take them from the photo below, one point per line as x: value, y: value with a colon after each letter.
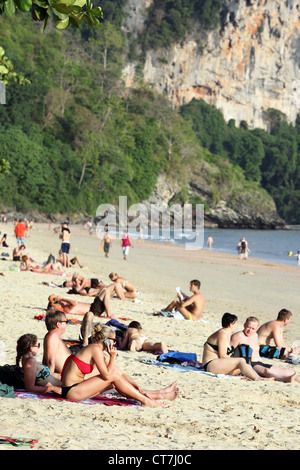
x: 170, y: 392
x: 291, y: 378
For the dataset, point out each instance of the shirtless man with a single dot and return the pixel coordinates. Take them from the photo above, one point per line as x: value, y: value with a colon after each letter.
x: 67, y: 305
x: 273, y: 330
x: 191, y: 308
x: 65, y: 245
x: 55, y: 350
x: 88, y: 287
x: 249, y: 336
x: 101, y: 305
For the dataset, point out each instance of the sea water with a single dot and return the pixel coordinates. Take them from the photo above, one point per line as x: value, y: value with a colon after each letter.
x: 278, y: 246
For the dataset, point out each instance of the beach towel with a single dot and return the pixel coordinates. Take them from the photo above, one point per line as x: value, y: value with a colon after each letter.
x: 18, y: 441
x: 186, y: 367
x: 104, y: 399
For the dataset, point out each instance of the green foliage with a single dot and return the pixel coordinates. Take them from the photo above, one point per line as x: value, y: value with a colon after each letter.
x: 64, y: 12
x: 272, y: 158
x: 169, y: 21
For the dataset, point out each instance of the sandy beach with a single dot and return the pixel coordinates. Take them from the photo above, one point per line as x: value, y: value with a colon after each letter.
x: 211, y: 413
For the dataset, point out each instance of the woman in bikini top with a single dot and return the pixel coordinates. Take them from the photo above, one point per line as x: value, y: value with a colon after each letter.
x: 37, y: 377
x: 217, y: 345
x: 217, y: 352
x: 92, y: 371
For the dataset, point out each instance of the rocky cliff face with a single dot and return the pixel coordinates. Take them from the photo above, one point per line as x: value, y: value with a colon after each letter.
x: 248, y: 65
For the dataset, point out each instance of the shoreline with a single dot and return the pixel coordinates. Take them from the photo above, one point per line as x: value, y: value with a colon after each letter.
x: 211, y: 413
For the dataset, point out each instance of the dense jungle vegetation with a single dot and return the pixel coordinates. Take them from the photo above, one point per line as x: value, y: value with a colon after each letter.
x: 76, y: 137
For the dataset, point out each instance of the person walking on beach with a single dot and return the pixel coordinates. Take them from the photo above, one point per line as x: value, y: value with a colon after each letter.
x: 244, y: 250
x: 20, y: 232
x: 101, y: 353
x: 107, y: 242
x: 273, y: 331
x: 217, y: 352
x: 125, y: 244
x: 249, y: 336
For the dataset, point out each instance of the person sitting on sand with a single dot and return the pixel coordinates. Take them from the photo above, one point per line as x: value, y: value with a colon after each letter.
x: 135, y: 339
x: 190, y: 308
x: 68, y: 305
x: 73, y: 261
x: 49, y: 268
x: 273, y: 330
x: 37, y: 377
x: 18, y: 252
x: 100, y: 306
x: 217, y: 350
x: 249, y: 336
x: 131, y: 292
x: 55, y: 349
x: 3, y: 243
x: 102, y: 353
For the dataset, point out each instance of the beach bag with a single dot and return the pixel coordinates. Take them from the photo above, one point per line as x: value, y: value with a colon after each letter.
x: 12, y: 375
x: 271, y: 352
x: 176, y: 357
x: 243, y: 350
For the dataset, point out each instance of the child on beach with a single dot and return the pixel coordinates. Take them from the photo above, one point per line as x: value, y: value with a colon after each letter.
x: 135, y: 339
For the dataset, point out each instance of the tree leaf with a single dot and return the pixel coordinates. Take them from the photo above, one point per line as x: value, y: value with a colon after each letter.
x: 61, y: 24
x: 24, y: 5
x: 9, y: 7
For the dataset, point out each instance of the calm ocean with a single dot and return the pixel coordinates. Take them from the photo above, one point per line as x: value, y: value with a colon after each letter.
x: 269, y: 245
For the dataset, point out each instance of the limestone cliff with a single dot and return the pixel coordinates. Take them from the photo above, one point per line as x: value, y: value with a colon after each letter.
x: 246, y: 66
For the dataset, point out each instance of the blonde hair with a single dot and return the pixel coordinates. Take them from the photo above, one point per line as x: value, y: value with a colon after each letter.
x: 113, y: 275
x: 100, y: 332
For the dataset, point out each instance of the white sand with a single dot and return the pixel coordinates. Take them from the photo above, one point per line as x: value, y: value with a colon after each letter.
x: 211, y: 412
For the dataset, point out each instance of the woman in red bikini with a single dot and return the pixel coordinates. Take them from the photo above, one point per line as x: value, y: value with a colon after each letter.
x: 100, y: 355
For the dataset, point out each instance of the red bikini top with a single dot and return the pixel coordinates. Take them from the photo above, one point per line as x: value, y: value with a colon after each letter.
x: 82, y: 366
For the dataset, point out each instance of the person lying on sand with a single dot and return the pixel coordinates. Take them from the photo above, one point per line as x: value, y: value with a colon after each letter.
x: 102, y: 353
x: 49, y: 268
x: 68, y: 305
x: 84, y: 286
x: 131, y: 292
x: 249, y: 336
x: 135, y: 339
x: 217, y: 353
x: 191, y: 308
